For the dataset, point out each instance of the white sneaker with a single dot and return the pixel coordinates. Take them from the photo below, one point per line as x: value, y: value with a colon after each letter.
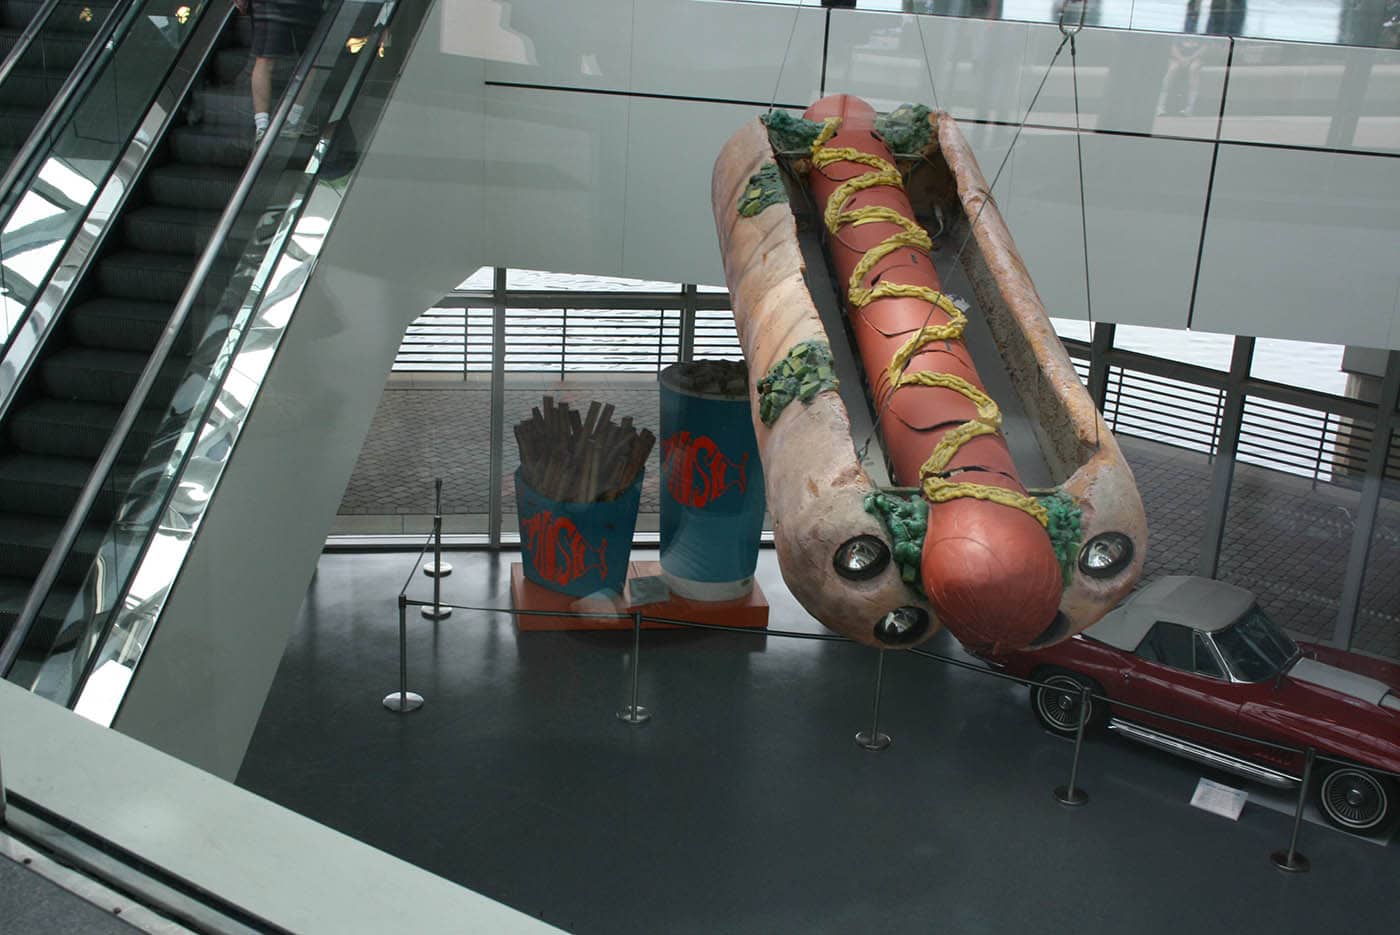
x: 296, y: 131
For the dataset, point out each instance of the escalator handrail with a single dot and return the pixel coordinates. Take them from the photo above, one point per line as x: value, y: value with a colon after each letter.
x: 68, y: 94
x: 36, y: 23
x: 48, y: 573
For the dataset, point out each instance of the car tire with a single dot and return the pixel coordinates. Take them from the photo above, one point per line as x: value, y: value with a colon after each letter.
x: 1056, y: 703
x: 1355, y: 799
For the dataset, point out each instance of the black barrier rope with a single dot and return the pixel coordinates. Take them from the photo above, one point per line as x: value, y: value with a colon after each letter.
x: 411, y: 575
x: 979, y: 668
x: 634, y: 713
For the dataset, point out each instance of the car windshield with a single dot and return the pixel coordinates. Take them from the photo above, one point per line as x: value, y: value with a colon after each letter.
x: 1254, y: 647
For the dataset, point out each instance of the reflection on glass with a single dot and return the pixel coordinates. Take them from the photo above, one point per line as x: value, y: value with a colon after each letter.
x: 1347, y: 22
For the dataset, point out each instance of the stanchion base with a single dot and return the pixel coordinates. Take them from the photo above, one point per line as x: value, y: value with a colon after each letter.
x: 880, y: 741
x: 1067, y: 796
x: 403, y: 704
x: 634, y: 714
x: 1300, y: 864
x: 434, y: 570
x: 437, y: 613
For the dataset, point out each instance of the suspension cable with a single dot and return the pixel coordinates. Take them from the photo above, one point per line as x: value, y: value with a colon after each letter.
x: 1083, y: 208
x: 778, y: 82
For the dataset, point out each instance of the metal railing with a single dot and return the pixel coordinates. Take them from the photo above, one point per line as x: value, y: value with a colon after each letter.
x: 1323, y: 438
x: 1305, y: 433
x: 571, y: 332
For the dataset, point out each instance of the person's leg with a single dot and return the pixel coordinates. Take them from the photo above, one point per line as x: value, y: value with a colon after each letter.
x: 260, y: 81
x: 262, y: 92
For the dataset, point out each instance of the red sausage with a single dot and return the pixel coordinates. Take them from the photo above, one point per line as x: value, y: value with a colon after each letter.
x: 988, y: 568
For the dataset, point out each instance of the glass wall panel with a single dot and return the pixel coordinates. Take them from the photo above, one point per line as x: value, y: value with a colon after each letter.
x: 1288, y: 534
x: 1377, y: 627
x: 1174, y: 483
x: 1201, y: 348
x: 1300, y: 363
x: 434, y: 417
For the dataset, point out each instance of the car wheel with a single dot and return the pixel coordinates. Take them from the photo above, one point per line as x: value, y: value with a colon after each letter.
x: 1354, y: 799
x: 1056, y: 704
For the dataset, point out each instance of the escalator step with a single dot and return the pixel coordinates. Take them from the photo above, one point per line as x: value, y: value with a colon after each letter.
x: 58, y: 52
x: 48, y: 486
x: 91, y: 374
x: 230, y: 65
x: 226, y: 108
x: 13, y: 592
x: 155, y: 277
x: 119, y: 324
x: 75, y: 429
x: 201, y: 146
x: 27, y: 539
x: 26, y: 87
x: 209, y: 188
x: 166, y: 229
x: 15, y: 124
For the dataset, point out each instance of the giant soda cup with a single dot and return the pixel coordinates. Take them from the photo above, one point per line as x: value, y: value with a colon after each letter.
x: 712, y: 500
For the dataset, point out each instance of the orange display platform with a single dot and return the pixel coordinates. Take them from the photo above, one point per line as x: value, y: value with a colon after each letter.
x: 750, y: 612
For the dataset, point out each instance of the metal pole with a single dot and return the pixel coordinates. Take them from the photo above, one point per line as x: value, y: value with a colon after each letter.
x: 873, y: 739
x: 1072, y: 794
x: 635, y: 713
x: 689, y: 301
x: 1232, y: 414
x: 1290, y: 860
x: 403, y: 700
x: 437, y: 567
x: 498, y: 410
x: 437, y: 611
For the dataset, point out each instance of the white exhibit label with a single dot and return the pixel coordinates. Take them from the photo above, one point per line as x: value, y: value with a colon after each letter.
x: 1220, y: 799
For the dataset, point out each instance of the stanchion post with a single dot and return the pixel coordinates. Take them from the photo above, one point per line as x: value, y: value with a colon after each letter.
x: 634, y: 713
x: 873, y: 739
x: 437, y: 568
x: 437, y: 611
x: 403, y: 700
x: 1290, y: 860
x: 1072, y: 794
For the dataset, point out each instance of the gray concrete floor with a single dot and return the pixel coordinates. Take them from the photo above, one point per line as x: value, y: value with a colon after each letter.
x: 1286, y: 539
x: 744, y: 805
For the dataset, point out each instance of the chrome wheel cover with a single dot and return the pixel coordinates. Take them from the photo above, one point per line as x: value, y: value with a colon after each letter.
x: 1354, y: 799
x: 1058, y: 705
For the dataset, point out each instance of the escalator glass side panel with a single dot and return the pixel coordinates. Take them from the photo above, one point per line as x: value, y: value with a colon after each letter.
x: 86, y: 136
x: 41, y: 43
x: 234, y: 317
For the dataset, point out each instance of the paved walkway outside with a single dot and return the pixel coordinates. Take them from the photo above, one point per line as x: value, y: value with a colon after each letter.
x: 1285, y: 539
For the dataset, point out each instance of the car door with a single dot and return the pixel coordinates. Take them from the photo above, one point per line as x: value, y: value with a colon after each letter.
x: 1175, y: 671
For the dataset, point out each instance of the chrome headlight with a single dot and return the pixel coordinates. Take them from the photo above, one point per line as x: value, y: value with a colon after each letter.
x: 902, y: 625
x: 861, y: 558
x: 1106, y: 555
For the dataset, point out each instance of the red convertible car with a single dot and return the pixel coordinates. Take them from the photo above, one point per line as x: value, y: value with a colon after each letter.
x: 1203, y: 651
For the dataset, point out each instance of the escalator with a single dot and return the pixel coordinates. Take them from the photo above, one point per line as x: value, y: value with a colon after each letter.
x: 59, y: 33
x: 62, y: 416
x: 106, y: 442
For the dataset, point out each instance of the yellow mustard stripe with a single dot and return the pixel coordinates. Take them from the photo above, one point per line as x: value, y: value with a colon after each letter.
x: 936, y: 488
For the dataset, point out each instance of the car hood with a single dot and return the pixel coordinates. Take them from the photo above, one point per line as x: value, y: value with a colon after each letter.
x: 1360, y: 687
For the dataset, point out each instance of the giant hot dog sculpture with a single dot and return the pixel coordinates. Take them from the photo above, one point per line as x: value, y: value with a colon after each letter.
x: 1001, y: 566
